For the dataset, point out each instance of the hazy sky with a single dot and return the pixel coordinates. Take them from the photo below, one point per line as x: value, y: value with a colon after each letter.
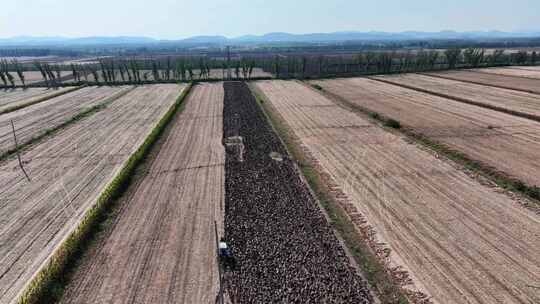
x: 171, y: 19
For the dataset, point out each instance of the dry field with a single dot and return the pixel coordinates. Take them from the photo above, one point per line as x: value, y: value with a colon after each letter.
x: 461, y: 241
x: 36, y: 119
x: 535, y: 68
x: 502, y: 81
x: 502, y: 98
x: 511, y: 72
x: 68, y: 171
x: 161, y: 247
x: 12, y: 98
x: 503, y: 141
x: 32, y: 77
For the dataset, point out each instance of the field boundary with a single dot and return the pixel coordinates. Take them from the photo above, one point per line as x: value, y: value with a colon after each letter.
x: 491, y: 173
x: 40, y: 99
x: 479, y: 83
x: 43, y: 284
x: 460, y: 99
x: 48, y: 132
x: 372, y: 268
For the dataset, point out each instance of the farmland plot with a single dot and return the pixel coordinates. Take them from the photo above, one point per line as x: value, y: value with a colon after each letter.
x: 525, y: 103
x: 502, y: 81
x: 34, y: 120
x: 12, y: 98
x: 509, y: 71
x: 500, y: 140
x: 461, y: 241
x: 161, y: 247
x: 286, y: 250
x: 68, y: 172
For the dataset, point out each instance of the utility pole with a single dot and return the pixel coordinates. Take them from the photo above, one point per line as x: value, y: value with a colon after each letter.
x: 229, y: 75
x: 220, y: 291
x: 17, y: 151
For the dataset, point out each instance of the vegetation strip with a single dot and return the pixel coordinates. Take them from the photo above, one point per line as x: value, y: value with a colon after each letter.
x: 373, y: 269
x: 501, y: 179
x: 460, y: 99
x: 40, y: 99
x: 479, y: 83
x: 72, y: 120
x: 53, y: 274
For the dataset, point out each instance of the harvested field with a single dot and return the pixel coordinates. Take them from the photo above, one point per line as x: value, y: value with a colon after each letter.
x: 500, y: 140
x: 535, y: 68
x: 68, y: 172
x: 285, y: 249
x: 17, y: 97
x: 36, y: 119
x: 161, y: 246
x: 461, y: 241
x: 35, y: 77
x: 511, y: 100
x: 501, y: 81
x: 509, y: 71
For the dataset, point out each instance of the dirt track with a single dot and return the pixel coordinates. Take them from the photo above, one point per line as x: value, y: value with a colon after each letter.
x: 461, y: 241
x: 34, y: 120
x: 509, y: 82
x: 161, y: 246
x: 503, y: 141
x: 11, y: 98
x: 68, y: 172
x: 508, y: 99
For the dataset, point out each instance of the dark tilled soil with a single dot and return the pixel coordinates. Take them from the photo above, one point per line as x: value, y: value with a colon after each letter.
x: 286, y: 251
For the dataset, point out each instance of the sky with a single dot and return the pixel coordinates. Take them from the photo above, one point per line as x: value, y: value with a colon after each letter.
x: 175, y: 19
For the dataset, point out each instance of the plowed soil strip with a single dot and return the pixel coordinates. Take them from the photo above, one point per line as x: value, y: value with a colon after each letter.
x: 500, y: 140
x: 16, y: 97
x: 500, y: 81
x: 511, y: 101
x: 462, y: 242
x: 68, y: 172
x: 161, y: 246
x: 285, y: 248
x: 32, y: 121
x: 509, y: 71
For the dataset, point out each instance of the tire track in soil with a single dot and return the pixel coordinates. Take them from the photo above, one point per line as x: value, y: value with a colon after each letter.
x: 285, y: 248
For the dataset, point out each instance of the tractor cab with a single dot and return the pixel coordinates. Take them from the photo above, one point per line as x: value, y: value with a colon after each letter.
x: 224, y: 250
x: 225, y: 255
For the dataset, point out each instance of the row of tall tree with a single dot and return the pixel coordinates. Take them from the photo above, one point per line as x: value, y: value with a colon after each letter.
x: 167, y: 69
x: 392, y: 62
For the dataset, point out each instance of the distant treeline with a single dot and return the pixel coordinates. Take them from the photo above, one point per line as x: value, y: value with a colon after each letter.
x: 180, y: 48
x: 30, y: 52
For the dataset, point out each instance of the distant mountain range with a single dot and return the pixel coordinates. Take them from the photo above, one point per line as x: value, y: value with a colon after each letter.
x: 262, y: 39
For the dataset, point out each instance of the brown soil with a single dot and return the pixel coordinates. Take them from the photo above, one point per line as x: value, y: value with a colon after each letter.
x: 508, y: 82
x: 34, y: 120
x: 508, y: 99
x: 161, y: 247
x: 68, y: 172
x: 461, y: 241
x: 499, y: 140
x: 510, y: 71
x: 11, y: 98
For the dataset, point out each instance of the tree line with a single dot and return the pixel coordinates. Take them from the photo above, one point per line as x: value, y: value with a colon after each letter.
x: 109, y: 71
